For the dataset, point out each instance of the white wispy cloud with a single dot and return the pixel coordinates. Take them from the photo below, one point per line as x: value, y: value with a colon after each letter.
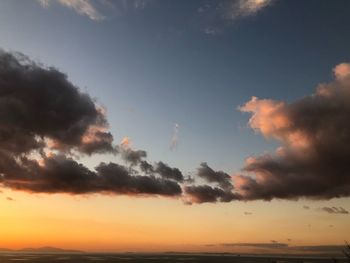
x: 243, y: 8
x: 98, y: 10
x: 174, y: 138
x: 82, y: 7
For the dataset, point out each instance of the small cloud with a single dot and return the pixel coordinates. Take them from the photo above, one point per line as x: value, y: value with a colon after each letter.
x: 125, y: 142
x: 10, y: 199
x: 244, y: 8
x: 334, y: 210
x: 248, y: 213
x: 44, y: 3
x: 175, y: 137
x: 213, y: 31
x: 306, y: 207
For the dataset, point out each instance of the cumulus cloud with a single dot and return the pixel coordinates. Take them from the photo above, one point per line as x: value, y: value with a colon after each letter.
x: 219, y: 187
x: 168, y: 172
x: 314, y: 133
x: 45, y: 120
x: 211, y: 176
x: 133, y: 157
x: 40, y: 108
x: 198, y: 194
x: 60, y: 174
x: 334, y: 210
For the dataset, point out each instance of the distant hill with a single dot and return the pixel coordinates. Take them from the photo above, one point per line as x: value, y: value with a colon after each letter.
x: 42, y: 250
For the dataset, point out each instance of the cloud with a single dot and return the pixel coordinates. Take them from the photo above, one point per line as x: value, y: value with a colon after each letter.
x: 214, y: 17
x: 207, y: 194
x: 211, y: 176
x: 97, y: 9
x: 10, y: 198
x: 334, y: 210
x: 221, y: 191
x: 314, y: 132
x: 82, y: 7
x: 40, y: 109
x: 133, y: 157
x: 306, y: 207
x: 45, y: 120
x: 60, y: 174
x: 248, y: 213
x: 243, y: 8
x: 174, y: 138
x: 168, y: 172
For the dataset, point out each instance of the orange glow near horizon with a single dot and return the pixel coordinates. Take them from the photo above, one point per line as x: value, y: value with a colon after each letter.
x: 120, y: 224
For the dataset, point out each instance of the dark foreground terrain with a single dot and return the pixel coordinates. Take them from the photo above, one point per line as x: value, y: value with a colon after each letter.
x: 138, y: 258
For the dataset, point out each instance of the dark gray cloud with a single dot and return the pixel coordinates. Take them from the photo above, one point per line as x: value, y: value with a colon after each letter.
x: 146, y: 167
x: 334, y: 210
x: 314, y: 132
x: 168, y: 172
x: 38, y: 103
x: 44, y: 121
x: 133, y: 157
x: 60, y: 174
x: 211, y: 176
x: 207, y: 194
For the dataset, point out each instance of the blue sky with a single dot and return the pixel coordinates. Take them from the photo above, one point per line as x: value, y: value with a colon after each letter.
x: 157, y: 65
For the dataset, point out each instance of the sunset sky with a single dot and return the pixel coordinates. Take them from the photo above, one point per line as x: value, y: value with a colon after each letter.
x: 169, y: 125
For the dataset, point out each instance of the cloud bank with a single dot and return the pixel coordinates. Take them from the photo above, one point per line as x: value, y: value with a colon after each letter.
x: 314, y: 133
x: 46, y: 122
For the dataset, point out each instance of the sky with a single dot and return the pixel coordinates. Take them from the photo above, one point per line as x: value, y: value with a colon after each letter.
x: 162, y: 125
